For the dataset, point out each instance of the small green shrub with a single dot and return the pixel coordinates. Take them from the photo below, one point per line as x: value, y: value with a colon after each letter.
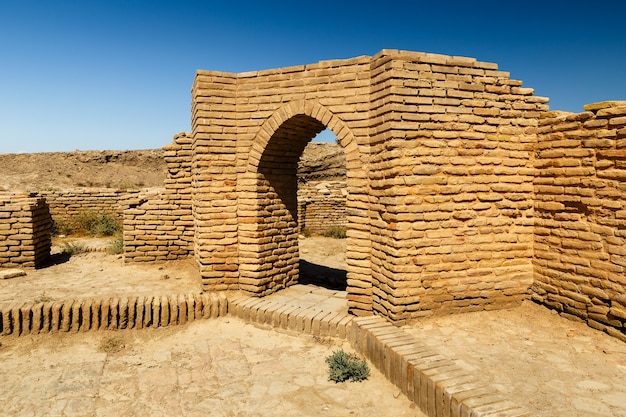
x: 96, y: 224
x: 343, y: 366
x: 336, y: 232
x: 306, y: 232
x: 116, y: 246
x: 87, y: 223
x: 73, y: 248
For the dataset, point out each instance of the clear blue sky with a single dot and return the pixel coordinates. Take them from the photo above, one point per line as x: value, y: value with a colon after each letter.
x: 117, y: 74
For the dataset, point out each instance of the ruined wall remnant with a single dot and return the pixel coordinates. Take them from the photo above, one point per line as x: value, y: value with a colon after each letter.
x: 580, y: 209
x: 321, y: 205
x: 24, y: 231
x: 159, y: 226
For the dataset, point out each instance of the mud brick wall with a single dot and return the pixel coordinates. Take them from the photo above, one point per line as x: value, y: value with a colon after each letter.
x: 159, y: 226
x: 65, y: 204
x: 24, y: 231
x: 249, y: 131
x: 321, y: 204
x: 451, y: 173
x: 580, y: 209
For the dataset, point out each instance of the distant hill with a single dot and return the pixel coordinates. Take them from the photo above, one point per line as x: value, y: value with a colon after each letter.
x: 130, y: 169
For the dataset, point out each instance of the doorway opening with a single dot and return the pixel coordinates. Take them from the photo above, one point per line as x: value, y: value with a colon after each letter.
x: 282, y: 219
x: 322, y: 222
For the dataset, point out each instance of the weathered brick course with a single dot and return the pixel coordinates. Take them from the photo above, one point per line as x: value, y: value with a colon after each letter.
x: 158, y: 226
x: 321, y: 205
x: 66, y: 204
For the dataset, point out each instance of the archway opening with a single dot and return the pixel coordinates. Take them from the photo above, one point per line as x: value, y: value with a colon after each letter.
x: 281, y: 231
x: 322, y: 219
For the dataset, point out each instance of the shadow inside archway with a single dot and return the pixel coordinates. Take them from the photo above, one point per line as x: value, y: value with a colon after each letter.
x: 322, y: 276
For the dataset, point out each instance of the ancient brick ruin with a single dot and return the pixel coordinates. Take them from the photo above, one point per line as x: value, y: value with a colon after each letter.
x: 440, y: 179
x: 463, y: 191
x: 321, y: 205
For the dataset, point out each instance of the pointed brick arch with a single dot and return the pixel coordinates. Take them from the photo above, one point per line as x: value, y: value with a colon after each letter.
x: 265, y: 272
x: 345, y: 138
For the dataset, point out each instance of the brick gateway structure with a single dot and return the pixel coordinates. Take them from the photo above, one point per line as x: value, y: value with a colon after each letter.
x: 441, y: 175
x: 439, y: 178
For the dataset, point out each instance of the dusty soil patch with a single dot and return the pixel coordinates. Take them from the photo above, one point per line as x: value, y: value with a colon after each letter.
x: 548, y: 364
x: 98, y: 274
x: 218, y: 367
x: 62, y: 170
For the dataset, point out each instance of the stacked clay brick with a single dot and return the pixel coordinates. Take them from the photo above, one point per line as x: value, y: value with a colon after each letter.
x: 321, y: 205
x: 159, y: 226
x: 439, y: 178
x: 580, y: 209
x: 245, y: 207
x: 451, y: 171
x: 24, y: 231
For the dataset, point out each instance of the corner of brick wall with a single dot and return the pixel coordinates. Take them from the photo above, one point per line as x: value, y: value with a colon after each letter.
x: 25, y: 225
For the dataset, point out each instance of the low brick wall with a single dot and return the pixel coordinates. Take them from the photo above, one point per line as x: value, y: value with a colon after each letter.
x: 110, y: 313
x: 65, y: 204
x: 436, y: 384
x: 24, y: 231
x: 156, y: 229
x: 321, y: 204
x: 580, y: 216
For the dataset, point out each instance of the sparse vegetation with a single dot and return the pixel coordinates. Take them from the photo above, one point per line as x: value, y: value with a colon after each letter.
x: 336, y: 232
x: 73, y: 248
x: 116, y: 246
x: 96, y: 224
x: 306, y: 232
x: 343, y: 366
x: 88, y: 223
x: 111, y: 344
x: 128, y: 185
x: 60, y: 227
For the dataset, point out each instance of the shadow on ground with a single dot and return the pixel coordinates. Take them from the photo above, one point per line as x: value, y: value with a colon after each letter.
x: 322, y: 276
x: 56, y: 259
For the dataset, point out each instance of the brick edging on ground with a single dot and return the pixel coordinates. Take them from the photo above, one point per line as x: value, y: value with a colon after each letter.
x: 110, y: 313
